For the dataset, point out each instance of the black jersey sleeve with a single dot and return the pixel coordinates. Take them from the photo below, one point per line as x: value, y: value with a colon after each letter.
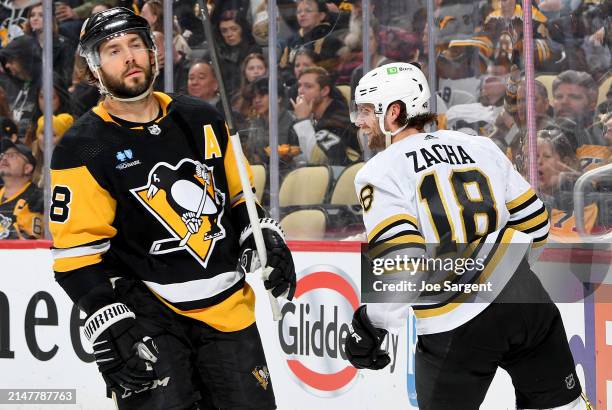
x: 81, y: 219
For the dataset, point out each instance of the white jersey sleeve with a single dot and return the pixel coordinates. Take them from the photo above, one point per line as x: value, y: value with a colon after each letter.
x: 389, y: 212
x: 389, y: 215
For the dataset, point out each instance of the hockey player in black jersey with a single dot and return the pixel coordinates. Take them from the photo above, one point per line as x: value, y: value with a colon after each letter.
x: 149, y: 225
x: 450, y: 190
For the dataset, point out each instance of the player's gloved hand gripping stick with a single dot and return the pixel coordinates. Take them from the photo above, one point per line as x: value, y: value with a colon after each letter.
x: 279, y: 275
x: 123, y: 352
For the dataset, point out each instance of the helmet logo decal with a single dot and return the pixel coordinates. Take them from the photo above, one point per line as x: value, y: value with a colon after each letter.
x: 392, y: 70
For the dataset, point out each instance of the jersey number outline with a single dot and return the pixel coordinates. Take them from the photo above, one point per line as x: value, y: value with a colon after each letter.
x: 470, y: 207
x: 60, y: 204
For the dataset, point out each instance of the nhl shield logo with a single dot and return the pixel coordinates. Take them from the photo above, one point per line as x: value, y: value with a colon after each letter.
x: 570, y: 383
x: 185, y: 200
x: 154, y: 129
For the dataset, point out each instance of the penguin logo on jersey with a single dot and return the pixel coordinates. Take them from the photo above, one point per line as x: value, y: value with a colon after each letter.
x: 185, y: 200
x: 5, y: 226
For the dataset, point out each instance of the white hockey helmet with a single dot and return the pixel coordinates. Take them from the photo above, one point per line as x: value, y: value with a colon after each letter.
x: 389, y: 83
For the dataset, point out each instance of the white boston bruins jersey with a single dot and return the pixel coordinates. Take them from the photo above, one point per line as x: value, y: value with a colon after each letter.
x: 434, y: 193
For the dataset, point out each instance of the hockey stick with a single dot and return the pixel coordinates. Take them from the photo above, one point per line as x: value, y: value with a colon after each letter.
x: 239, y: 155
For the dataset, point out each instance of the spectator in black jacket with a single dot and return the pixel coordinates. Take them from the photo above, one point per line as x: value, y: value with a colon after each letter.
x: 22, y: 65
x: 236, y: 42
x: 63, y: 49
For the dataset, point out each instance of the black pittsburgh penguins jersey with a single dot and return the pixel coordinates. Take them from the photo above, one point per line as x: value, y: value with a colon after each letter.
x: 21, y: 214
x: 161, y: 202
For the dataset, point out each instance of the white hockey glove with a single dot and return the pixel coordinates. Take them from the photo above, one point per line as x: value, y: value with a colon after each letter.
x: 124, y: 354
x: 363, y: 345
x: 281, y: 280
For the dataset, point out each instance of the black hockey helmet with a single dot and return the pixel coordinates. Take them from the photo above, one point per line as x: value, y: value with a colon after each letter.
x: 108, y: 24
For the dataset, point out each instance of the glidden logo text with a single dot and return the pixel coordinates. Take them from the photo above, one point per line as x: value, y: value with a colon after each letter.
x: 314, y: 328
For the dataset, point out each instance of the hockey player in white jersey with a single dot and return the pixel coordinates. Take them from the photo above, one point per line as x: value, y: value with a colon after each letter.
x: 436, y: 193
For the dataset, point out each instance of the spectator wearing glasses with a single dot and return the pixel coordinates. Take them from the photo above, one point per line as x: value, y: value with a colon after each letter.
x: 21, y: 202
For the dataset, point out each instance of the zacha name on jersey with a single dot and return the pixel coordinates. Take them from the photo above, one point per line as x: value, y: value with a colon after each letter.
x: 438, y: 153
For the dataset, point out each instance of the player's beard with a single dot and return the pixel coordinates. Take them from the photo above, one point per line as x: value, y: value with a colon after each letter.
x: 376, y: 141
x: 119, y: 88
x: 376, y: 138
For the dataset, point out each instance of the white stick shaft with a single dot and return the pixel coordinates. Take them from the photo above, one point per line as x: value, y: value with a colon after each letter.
x: 254, y: 219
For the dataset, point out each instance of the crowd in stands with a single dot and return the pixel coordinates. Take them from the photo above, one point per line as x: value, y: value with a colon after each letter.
x: 480, y: 84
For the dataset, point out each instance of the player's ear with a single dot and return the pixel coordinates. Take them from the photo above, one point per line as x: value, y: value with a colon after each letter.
x: 28, y: 169
x: 394, y: 111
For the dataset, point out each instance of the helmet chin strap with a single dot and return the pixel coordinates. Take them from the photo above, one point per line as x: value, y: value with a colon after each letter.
x: 105, y: 91
x: 389, y: 134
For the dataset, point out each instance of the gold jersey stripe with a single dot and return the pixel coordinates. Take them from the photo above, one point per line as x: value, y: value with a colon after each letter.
x: 390, y: 220
x: 520, y: 199
x: 401, y: 240
x: 235, y: 313
x: 163, y: 99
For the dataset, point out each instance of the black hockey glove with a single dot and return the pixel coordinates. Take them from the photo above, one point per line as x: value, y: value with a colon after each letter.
x: 124, y: 355
x: 281, y: 280
x: 363, y: 345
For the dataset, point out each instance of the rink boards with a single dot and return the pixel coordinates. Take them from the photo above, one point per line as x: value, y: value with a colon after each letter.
x: 41, y: 345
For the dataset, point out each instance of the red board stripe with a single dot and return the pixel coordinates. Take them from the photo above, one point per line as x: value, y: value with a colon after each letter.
x: 321, y: 381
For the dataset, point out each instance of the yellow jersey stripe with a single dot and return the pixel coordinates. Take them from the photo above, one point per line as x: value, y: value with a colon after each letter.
x: 409, y: 240
x: 520, y: 199
x: 540, y: 218
x: 235, y: 313
x: 76, y: 262
x: 164, y: 101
